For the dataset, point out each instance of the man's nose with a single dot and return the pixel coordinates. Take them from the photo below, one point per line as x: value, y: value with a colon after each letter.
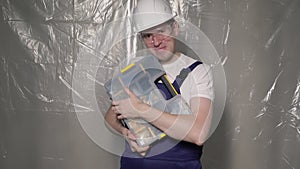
x: 156, y: 41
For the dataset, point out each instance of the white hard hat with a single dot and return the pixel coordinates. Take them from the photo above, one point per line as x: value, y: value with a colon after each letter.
x: 150, y: 13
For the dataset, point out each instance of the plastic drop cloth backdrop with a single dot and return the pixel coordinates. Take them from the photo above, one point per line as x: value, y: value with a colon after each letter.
x: 42, y: 72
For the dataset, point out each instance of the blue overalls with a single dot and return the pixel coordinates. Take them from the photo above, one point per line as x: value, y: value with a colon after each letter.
x: 180, y: 155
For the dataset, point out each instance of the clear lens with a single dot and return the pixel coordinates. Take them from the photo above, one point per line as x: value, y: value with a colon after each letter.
x: 159, y: 33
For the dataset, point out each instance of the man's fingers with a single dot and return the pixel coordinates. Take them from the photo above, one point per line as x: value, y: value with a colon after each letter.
x: 139, y: 149
x: 134, y: 146
x: 133, y: 149
x: 131, y: 136
x: 142, y: 150
x: 120, y: 116
x: 115, y: 103
x: 115, y: 109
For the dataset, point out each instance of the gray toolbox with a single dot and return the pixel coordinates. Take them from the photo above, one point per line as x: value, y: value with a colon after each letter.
x: 140, y: 77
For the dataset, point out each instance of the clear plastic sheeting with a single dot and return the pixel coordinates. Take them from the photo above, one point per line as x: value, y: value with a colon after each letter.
x: 41, y: 42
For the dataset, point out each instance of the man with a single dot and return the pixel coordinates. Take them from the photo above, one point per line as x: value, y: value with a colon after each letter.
x: 156, y: 25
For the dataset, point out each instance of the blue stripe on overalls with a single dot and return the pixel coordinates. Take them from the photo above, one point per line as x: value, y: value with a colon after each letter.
x: 181, y: 155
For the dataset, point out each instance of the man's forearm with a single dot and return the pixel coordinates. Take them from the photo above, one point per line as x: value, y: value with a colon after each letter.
x: 112, y: 122
x: 175, y: 126
x: 191, y: 127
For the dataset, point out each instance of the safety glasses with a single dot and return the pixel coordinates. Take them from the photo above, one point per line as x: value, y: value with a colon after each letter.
x: 159, y: 33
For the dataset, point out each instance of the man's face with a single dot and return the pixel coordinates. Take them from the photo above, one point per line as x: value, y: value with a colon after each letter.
x: 160, y: 41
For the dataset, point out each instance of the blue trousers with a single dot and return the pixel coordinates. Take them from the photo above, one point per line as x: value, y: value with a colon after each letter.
x: 145, y: 163
x: 183, y: 156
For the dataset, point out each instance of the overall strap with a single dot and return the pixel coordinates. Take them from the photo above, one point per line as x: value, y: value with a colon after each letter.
x: 183, y: 75
x: 177, y: 82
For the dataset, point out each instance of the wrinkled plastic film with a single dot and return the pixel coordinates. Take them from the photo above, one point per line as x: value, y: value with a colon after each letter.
x: 43, y: 71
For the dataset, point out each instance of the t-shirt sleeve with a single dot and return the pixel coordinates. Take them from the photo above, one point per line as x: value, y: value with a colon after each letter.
x: 203, y: 82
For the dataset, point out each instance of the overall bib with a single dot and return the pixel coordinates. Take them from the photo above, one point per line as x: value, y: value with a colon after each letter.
x: 180, y: 155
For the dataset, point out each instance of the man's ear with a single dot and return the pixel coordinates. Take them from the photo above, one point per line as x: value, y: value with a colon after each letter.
x: 176, y: 28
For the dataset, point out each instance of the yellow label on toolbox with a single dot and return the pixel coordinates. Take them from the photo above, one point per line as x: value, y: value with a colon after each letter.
x: 127, y: 67
x: 162, y: 135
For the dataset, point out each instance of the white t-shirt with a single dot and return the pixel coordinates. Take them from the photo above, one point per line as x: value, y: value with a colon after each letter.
x: 199, y: 82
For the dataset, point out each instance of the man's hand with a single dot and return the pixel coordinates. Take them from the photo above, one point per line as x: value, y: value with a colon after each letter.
x: 132, y: 107
x: 131, y: 139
